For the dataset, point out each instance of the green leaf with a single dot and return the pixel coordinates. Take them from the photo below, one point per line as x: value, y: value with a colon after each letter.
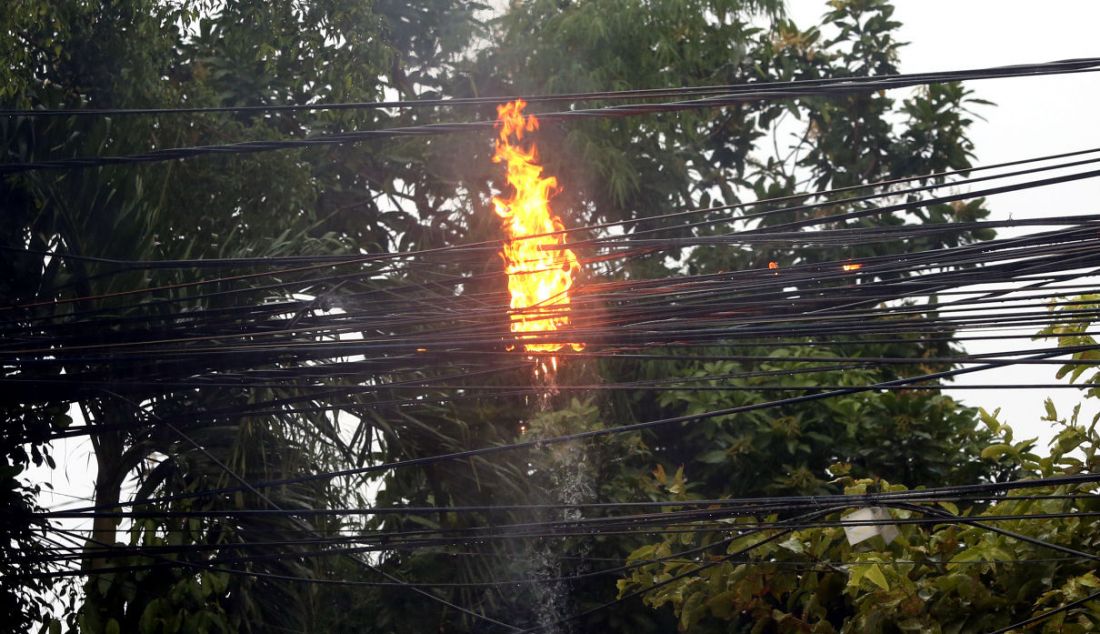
x: 722, y: 604
x: 1051, y: 413
x: 1089, y: 580
x: 990, y: 420
x: 874, y: 574
x: 976, y: 553
x: 793, y: 544
x: 716, y: 456
x: 855, y: 575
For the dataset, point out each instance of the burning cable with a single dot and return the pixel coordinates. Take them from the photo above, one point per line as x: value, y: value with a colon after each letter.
x: 540, y: 271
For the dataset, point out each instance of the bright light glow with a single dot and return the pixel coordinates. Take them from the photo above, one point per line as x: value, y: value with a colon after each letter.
x: 540, y: 269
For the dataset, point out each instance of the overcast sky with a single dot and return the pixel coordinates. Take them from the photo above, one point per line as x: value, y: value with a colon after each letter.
x: 1033, y: 117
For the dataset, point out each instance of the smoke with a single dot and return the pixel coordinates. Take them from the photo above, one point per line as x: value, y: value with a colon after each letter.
x: 571, y: 480
x: 559, y: 475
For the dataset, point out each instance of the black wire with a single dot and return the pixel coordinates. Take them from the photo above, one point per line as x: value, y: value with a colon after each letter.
x: 495, y: 244
x: 671, y: 579
x: 752, y: 503
x: 543, y: 442
x: 659, y: 584
x: 793, y: 525
x: 359, y: 562
x: 789, y: 276
x: 776, y: 236
x: 625, y: 332
x: 1086, y: 478
x: 366, y: 258
x: 851, y: 86
x: 1038, y: 618
x: 982, y: 523
x: 665, y: 523
x: 1009, y: 71
x: 212, y: 564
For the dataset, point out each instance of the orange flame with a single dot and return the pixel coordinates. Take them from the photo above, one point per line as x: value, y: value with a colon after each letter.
x: 540, y: 270
x: 854, y: 266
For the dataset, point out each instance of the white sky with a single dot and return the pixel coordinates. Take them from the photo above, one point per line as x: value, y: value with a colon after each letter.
x: 1034, y: 116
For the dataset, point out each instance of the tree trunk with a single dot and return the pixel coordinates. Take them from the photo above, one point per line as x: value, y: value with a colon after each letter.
x: 108, y: 487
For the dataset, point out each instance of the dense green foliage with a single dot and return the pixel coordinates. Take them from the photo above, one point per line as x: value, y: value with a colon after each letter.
x: 619, y: 169
x: 133, y: 53
x: 947, y: 577
x: 410, y: 194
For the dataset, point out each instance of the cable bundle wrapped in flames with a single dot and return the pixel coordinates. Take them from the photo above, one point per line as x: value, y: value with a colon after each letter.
x: 540, y: 270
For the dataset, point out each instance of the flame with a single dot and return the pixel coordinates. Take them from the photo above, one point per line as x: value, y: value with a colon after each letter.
x: 540, y: 270
x: 854, y: 266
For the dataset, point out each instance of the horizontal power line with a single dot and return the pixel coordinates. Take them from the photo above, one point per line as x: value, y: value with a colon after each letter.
x: 1072, y: 65
x: 495, y: 244
x: 850, y: 86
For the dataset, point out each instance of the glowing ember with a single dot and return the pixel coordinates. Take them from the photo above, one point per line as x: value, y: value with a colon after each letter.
x: 854, y: 266
x: 540, y: 271
x: 773, y: 265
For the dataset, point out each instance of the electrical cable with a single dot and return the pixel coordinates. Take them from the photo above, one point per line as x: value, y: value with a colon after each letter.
x: 1039, y: 618
x: 852, y: 86
x: 1010, y: 71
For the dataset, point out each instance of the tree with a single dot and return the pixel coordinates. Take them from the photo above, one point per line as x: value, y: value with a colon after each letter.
x: 940, y: 577
x: 145, y: 53
x: 413, y: 194
x: 638, y: 168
